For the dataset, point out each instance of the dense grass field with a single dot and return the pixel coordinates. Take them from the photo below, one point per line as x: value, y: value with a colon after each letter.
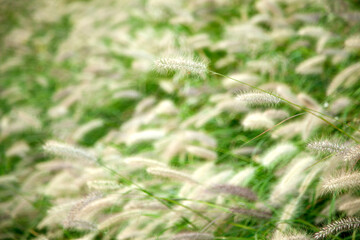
x: 189, y: 119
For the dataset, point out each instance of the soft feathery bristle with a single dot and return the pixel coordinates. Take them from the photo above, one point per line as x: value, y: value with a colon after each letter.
x: 352, y: 153
x: 182, y: 64
x: 67, y: 151
x: 326, y: 146
x: 341, y: 181
x: 338, y: 226
x: 169, y: 173
x: 258, y: 98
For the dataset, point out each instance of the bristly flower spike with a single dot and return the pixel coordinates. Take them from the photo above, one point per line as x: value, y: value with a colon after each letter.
x: 182, y: 64
x: 169, y: 173
x: 67, y: 151
x: 341, y: 181
x: 258, y: 98
x: 352, y: 154
x: 337, y: 226
x: 326, y: 146
x: 346, y: 152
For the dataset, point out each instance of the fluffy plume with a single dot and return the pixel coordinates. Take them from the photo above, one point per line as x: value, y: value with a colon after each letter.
x: 169, y: 173
x: 67, y: 151
x: 140, y: 161
x: 145, y: 205
x: 257, y: 120
x: 96, y: 206
x: 145, y: 136
x: 288, y: 130
x: 326, y: 146
x: 82, y: 225
x: 310, y: 178
x: 353, y: 43
x: 116, y: 218
x: 276, y: 114
x: 349, y: 74
x: 86, y: 128
x: 258, y: 99
x: 242, y: 177
x: 341, y: 181
x: 308, y: 101
x: 290, y: 235
x: 338, y: 226
x: 278, y: 152
x: 312, y: 31
x: 292, y: 177
x: 287, y: 214
x: 72, y: 220
x: 351, y: 153
x: 311, y: 66
x: 246, y: 151
x: 351, y: 206
x: 339, y: 105
x: 103, y: 185
x: 127, y: 94
x: 200, y: 137
x: 182, y: 64
x: 201, y: 152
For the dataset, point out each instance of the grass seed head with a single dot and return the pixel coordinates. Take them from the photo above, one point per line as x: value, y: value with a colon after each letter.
x: 338, y: 226
x: 341, y: 181
x: 67, y: 151
x: 258, y: 99
x: 182, y: 64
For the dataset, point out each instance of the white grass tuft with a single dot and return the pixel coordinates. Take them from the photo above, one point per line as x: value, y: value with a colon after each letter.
x: 103, y: 185
x: 349, y: 74
x: 201, y: 152
x: 258, y: 99
x: 338, y: 226
x: 257, y: 120
x: 311, y: 66
x: 117, y: 218
x: 169, y: 173
x: 141, y: 162
x: 351, y: 154
x: 279, y: 151
x: 341, y: 181
x: 67, y: 151
x: 182, y: 64
x: 289, y: 182
x: 326, y: 146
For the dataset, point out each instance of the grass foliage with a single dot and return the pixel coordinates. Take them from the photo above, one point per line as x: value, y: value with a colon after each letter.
x: 190, y: 119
